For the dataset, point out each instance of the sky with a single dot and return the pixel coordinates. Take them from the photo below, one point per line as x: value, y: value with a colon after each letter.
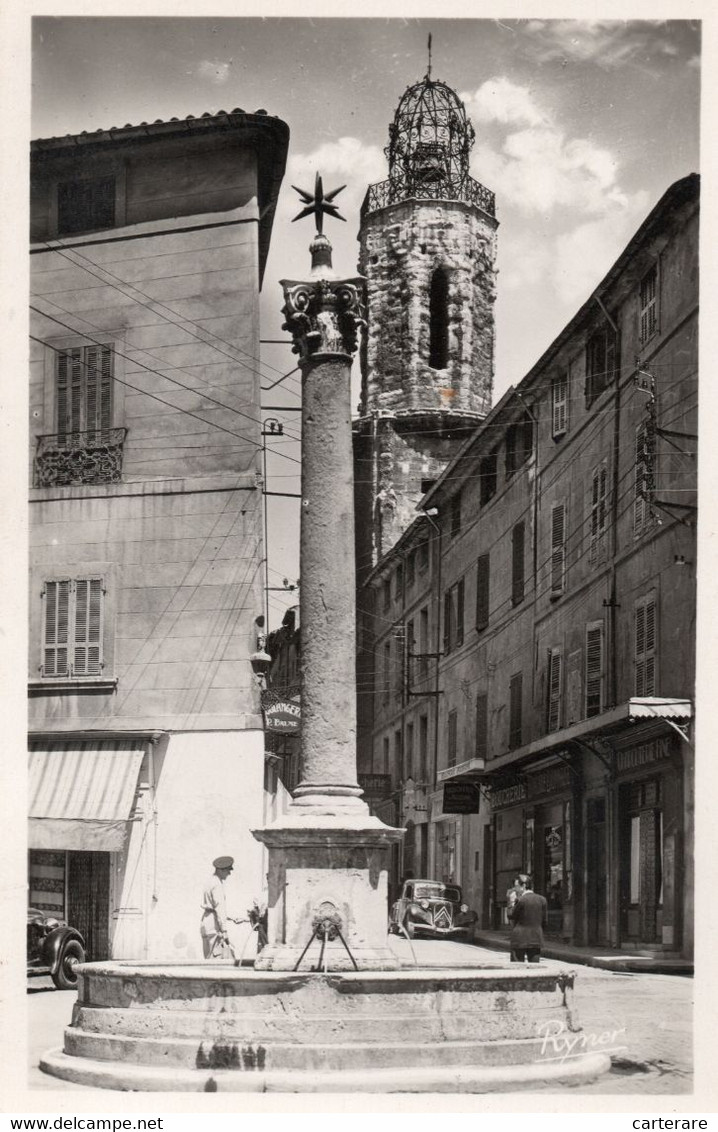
x: 580, y: 128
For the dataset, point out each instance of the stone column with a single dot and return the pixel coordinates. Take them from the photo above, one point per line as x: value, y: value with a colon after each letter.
x: 328, y: 857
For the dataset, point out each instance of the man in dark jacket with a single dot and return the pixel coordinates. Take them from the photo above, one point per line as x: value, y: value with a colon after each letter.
x: 529, y: 918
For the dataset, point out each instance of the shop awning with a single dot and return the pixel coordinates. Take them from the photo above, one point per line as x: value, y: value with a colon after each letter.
x: 81, y: 793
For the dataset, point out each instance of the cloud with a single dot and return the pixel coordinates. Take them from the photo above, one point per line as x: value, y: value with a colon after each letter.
x: 345, y: 161
x: 607, y: 43
x: 215, y: 70
x: 500, y: 100
x: 583, y: 255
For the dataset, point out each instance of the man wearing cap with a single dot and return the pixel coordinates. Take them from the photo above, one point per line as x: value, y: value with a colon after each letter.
x: 213, y: 928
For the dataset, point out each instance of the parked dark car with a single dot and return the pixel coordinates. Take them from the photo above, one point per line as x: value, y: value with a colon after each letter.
x: 53, y: 948
x: 429, y: 908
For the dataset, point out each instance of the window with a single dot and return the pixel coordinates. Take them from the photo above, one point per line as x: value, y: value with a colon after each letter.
x: 519, y: 442
x: 599, y: 513
x: 558, y: 549
x: 517, y: 564
x: 398, y: 581
x: 398, y: 753
x: 649, y: 304
x: 644, y: 484
x: 386, y: 684
x: 83, y: 390
x: 594, y: 669
x: 451, y: 741
x: 559, y: 406
x: 645, y: 646
x: 482, y: 725
x: 409, y: 751
x: 72, y: 633
x: 422, y: 556
x: 439, y: 319
x: 488, y: 477
x: 515, y: 694
x: 454, y: 617
x: 385, y: 754
x: 482, y: 591
x: 410, y: 650
x: 455, y: 519
x: 386, y: 594
x: 423, y: 748
x: 555, y: 677
x: 423, y: 666
x: 84, y: 205
x: 411, y: 569
x: 601, y: 361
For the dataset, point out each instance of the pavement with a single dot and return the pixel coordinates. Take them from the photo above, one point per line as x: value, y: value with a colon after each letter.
x: 651, y: 962
x: 645, y: 1020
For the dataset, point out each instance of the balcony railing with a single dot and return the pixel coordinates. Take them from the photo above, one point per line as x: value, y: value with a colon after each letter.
x: 393, y: 191
x: 67, y: 458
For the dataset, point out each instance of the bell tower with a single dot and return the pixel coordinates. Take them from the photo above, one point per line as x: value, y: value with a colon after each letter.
x: 427, y: 251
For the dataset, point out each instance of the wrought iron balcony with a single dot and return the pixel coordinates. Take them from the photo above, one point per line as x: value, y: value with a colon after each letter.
x: 67, y: 458
x: 395, y: 190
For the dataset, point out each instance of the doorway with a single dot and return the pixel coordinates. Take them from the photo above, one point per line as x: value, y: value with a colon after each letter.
x: 641, y: 872
x: 596, y: 872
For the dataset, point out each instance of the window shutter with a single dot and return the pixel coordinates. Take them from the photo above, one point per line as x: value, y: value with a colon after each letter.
x: 594, y: 670
x: 515, y: 690
x: 555, y: 673
x: 460, y: 613
x: 649, y: 319
x: 517, y: 564
x: 482, y: 591
x: 558, y: 548
x: 482, y: 722
x: 451, y: 739
x: 559, y: 406
x: 645, y: 654
x: 87, y: 651
x: 56, y: 629
x: 448, y: 604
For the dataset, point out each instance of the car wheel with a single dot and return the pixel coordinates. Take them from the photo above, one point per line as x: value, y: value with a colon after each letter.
x: 65, y: 978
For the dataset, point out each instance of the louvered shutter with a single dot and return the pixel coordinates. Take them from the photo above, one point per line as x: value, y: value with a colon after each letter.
x: 87, y: 649
x: 645, y: 654
x: 452, y: 739
x: 55, y: 660
x: 460, y: 612
x: 515, y: 692
x: 649, y: 320
x: 517, y: 564
x: 482, y: 591
x: 448, y: 604
x: 559, y: 406
x: 482, y: 721
x: 594, y: 670
x: 558, y: 548
x: 555, y: 672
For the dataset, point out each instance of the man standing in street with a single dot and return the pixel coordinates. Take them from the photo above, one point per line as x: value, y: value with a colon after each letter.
x: 213, y: 928
x: 529, y: 918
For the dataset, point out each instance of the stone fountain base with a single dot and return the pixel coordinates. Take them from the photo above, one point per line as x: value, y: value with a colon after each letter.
x: 217, y: 1028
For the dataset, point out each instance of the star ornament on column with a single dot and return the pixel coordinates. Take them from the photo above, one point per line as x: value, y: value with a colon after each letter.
x: 320, y: 204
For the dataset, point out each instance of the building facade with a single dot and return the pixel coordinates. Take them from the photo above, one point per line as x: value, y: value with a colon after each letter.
x: 148, y: 246
x: 565, y: 590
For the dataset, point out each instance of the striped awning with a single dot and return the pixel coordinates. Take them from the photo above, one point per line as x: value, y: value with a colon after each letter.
x: 81, y: 793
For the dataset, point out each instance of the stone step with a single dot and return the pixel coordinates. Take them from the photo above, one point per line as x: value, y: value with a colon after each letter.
x: 188, y: 1053
x: 426, y: 1079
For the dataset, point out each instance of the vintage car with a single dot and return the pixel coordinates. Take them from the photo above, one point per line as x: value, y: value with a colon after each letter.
x: 430, y: 908
x: 53, y: 948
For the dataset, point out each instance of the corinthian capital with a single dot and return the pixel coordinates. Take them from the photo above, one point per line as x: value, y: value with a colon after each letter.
x: 323, y: 315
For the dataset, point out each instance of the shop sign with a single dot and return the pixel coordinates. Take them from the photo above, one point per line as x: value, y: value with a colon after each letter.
x: 644, y: 755
x: 503, y: 796
x: 281, y: 713
x: 552, y: 780
x: 460, y: 798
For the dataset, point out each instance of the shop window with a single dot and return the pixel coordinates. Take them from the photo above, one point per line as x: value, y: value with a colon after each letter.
x: 515, y: 695
x: 482, y: 726
x: 594, y: 669
x: 451, y: 738
x: 555, y: 683
x: 517, y: 563
x: 73, y: 627
x: 488, y: 477
x: 558, y: 549
x: 85, y: 205
x: 645, y: 646
x: 599, y: 514
x: 649, y: 304
x: 559, y: 406
x: 439, y: 319
x: 483, y: 578
x: 601, y: 361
